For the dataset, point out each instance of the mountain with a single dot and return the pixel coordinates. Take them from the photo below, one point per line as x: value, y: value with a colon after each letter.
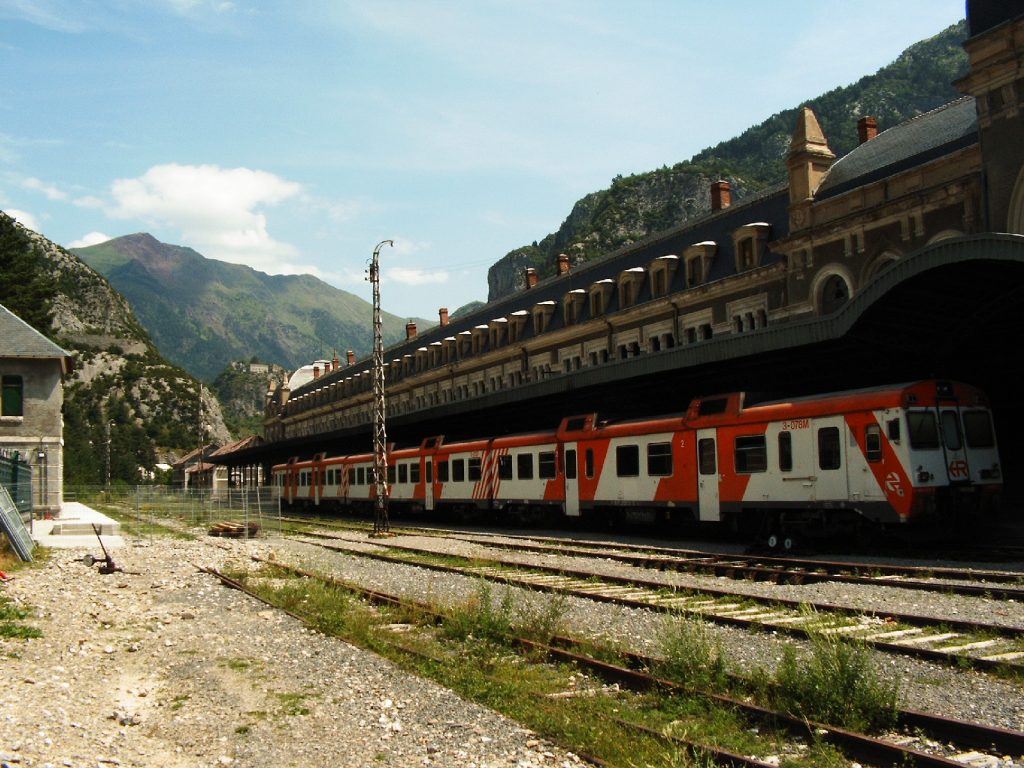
x: 639, y: 205
x: 203, y: 313
x: 121, y: 388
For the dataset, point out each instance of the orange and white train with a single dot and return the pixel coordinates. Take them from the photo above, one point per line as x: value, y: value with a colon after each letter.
x: 786, y: 468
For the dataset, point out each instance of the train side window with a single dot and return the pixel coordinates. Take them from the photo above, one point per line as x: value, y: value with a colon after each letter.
x: 892, y: 429
x: 524, y: 466
x: 505, y: 467
x: 659, y: 459
x: 361, y: 476
x: 706, y: 459
x: 978, y: 429
x: 588, y: 460
x: 474, y: 470
x: 627, y: 460
x: 414, y: 472
x: 570, y: 464
x: 829, y: 450
x: 442, y: 471
x: 785, y: 451
x: 351, y: 475
x: 403, y: 473
x: 751, y: 452
x: 951, y: 431
x: 392, y: 474
x: 430, y: 471
x: 873, y: 442
x: 546, y: 465
x: 459, y: 470
x: 924, y: 434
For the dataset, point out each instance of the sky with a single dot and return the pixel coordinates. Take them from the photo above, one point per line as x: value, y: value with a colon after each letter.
x: 293, y: 136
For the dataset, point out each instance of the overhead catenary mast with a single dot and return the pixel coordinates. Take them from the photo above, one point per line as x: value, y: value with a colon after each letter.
x: 381, y: 525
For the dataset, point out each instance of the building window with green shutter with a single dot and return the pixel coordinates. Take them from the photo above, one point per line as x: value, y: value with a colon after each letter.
x: 11, y: 403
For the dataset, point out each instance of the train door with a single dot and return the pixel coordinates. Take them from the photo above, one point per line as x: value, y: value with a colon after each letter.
x: 428, y: 485
x: 830, y: 435
x: 708, y: 475
x: 957, y: 468
x: 570, y: 464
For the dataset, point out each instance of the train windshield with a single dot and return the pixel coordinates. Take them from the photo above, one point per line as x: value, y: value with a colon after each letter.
x: 924, y: 433
x: 978, y: 429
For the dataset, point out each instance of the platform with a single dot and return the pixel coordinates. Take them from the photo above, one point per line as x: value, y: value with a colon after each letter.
x: 73, y: 528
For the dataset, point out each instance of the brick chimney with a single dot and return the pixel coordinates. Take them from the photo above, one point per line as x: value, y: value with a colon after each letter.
x: 442, y: 313
x: 531, y: 277
x: 337, y: 362
x: 410, y: 330
x: 721, y: 195
x: 350, y: 357
x: 316, y: 371
x: 867, y: 129
x: 564, y: 265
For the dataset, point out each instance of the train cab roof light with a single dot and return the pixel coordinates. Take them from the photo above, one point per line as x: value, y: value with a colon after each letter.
x: 944, y: 389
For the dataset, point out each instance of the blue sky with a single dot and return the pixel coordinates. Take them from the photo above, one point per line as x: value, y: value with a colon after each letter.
x: 293, y: 136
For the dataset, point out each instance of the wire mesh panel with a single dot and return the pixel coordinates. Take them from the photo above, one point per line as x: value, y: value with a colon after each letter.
x: 11, y: 522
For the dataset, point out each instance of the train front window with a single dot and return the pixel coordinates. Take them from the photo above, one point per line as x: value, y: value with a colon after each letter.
x: 924, y: 433
x: 951, y: 431
x: 978, y: 429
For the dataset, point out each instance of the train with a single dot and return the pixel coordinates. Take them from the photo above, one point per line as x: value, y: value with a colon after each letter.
x: 778, y: 470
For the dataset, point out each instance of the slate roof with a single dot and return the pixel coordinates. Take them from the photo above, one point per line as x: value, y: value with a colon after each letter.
x: 19, y: 339
x: 923, y: 138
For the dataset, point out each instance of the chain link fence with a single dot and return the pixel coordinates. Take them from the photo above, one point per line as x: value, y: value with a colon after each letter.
x: 16, y: 477
x: 144, y: 510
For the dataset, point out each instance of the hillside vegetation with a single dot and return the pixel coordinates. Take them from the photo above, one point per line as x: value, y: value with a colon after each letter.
x: 203, y: 313
x: 121, y: 389
x: 639, y: 205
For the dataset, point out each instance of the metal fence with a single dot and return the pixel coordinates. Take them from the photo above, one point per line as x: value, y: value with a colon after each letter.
x: 142, y: 509
x: 16, y: 477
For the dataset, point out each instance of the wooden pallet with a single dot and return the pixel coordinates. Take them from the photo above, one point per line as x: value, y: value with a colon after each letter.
x: 235, y: 530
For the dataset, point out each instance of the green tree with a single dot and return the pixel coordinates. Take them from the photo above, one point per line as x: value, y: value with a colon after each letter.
x: 26, y: 288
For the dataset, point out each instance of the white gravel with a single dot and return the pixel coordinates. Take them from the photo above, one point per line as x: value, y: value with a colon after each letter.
x: 962, y: 694
x: 166, y: 667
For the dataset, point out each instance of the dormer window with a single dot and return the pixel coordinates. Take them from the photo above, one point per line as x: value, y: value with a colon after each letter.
x: 465, y: 343
x: 698, y: 259
x: 571, y: 305
x: 662, y: 269
x: 750, y: 241
x: 600, y: 295
x: 497, y: 331
x: 480, y: 337
x: 630, y: 283
x: 542, y: 313
x: 516, y: 325
x: 422, y: 359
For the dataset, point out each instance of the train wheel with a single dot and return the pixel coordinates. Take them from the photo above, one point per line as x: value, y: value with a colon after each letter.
x: 788, y: 543
x: 772, y: 541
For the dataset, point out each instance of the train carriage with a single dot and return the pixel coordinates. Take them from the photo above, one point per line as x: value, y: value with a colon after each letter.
x: 785, y: 468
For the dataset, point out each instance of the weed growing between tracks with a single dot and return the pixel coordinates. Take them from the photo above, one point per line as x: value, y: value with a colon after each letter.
x: 836, y: 684
x: 472, y: 653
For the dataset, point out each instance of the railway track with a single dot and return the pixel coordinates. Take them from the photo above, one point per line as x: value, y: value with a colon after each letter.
x: 975, y: 744
x: 954, y: 642
x: 969, y: 582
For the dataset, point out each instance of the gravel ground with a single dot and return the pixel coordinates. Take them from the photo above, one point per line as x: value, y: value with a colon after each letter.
x: 163, y: 666
x: 962, y: 694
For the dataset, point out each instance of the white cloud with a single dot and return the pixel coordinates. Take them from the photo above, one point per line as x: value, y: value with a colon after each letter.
x: 410, y: 276
x: 218, y: 211
x: 89, y: 201
x: 51, y: 192
x: 26, y: 220
x: 92, y: 238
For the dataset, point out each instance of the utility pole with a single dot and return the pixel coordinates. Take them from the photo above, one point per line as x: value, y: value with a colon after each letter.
x: 381, y: 526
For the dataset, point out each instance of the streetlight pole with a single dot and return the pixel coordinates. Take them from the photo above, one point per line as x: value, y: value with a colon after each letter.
x: 381, y: 526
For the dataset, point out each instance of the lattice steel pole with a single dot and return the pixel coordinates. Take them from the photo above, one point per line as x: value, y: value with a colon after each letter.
x: 380, y: 438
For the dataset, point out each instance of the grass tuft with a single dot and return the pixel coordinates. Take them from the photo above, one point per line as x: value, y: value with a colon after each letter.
x: 691, y: 654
